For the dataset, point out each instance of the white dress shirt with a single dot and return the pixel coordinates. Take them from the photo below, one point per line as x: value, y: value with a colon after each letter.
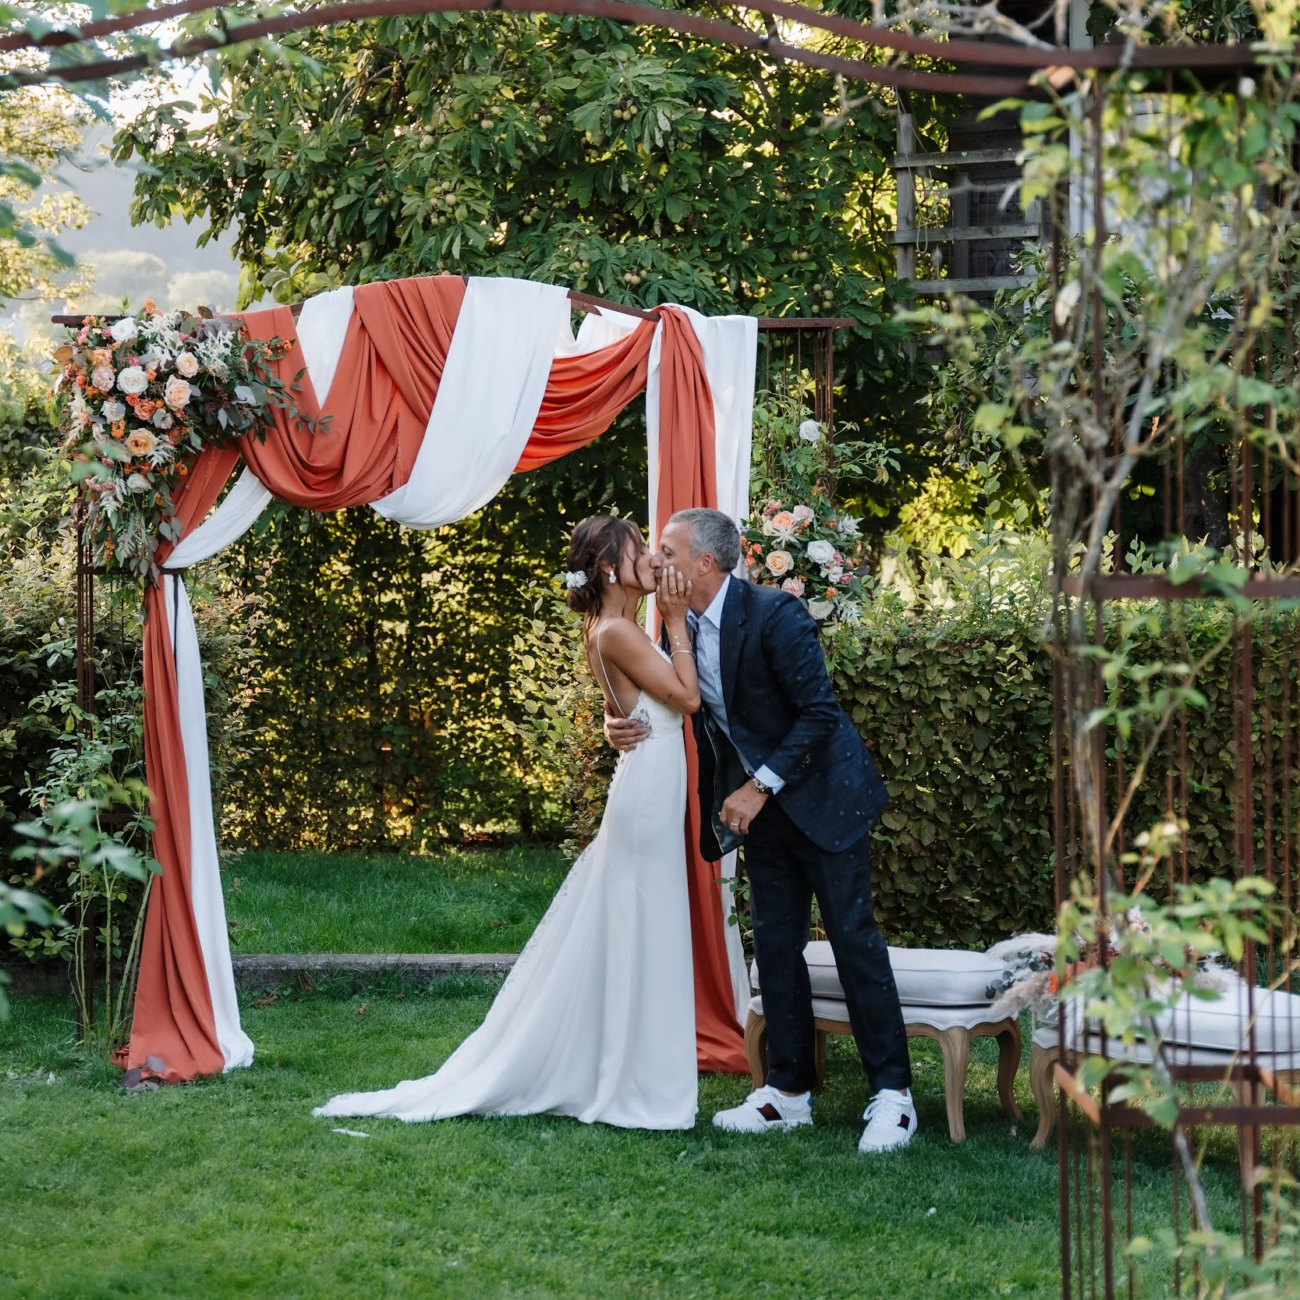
x: 708, y: 667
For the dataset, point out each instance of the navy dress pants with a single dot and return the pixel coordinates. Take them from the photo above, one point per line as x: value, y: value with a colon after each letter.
x: 785, y: 871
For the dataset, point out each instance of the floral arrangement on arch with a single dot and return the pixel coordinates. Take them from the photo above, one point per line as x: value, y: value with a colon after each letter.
x: 809, y: 549
x: 139, y: 396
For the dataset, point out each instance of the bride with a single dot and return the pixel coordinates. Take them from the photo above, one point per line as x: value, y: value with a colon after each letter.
x: 597, y: 1018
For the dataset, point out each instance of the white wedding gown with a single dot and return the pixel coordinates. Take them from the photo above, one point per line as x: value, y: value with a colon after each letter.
x: 597, y: 1018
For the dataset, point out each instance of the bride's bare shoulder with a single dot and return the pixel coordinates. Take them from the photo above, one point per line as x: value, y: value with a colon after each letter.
x: 621, y: 634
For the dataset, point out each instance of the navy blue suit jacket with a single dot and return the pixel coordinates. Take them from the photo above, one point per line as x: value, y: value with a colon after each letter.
x: 782, y: 711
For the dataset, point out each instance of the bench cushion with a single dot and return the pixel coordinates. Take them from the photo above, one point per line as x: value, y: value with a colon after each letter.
x: 1219, y: 1027
x: 926, y: 977
x: 935, y: 1017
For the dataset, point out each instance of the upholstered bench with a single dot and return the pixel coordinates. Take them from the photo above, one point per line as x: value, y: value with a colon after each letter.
x: 1198, y: 1032
x: 944, y: 996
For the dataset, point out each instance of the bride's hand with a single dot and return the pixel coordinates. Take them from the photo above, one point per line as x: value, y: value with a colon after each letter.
x: 672, y: 594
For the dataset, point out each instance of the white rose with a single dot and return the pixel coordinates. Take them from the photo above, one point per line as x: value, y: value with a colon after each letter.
x: 820, y: 609
x: 187, y: 364
x: 113, y: 410
x: 177, y: 393
x: 810, y: 431
x: 133, y: 380
x: 124, y: 330
x: 821, y: 552
x: 137, y: 483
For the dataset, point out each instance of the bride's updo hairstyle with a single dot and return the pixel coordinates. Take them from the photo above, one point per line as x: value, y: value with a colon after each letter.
x: 600, y: 541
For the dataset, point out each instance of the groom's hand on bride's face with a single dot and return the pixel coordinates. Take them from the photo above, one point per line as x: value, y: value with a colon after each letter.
x: 624, y: 733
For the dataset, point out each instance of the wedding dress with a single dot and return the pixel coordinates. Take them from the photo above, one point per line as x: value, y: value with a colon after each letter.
x: 597, y: 1018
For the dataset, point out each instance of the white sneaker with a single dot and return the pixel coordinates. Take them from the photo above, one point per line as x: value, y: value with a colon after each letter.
x: 767, y: 1110
x: 891, y: 1122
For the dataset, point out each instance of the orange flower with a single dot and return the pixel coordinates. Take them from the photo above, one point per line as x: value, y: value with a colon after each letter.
x: 150, y: 307
x: 119, y: 428
x: 1053, y: 984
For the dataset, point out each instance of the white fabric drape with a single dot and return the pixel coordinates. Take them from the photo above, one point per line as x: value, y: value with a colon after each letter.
x: 492, y: 386
x: 205, y: 867
x: 322, y: 330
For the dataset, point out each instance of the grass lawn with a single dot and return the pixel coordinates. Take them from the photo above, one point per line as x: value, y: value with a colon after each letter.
x: 456, y: 901
x: 228, y: 1187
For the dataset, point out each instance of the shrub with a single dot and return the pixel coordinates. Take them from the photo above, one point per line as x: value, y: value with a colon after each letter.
x: 958, y: 718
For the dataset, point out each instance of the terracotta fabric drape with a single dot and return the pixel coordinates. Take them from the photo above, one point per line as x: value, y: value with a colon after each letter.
x: 375, y: 416
x: 688, y: 477
x: 173, y: 1033
x: 378, y: 404
x: 584, y: 394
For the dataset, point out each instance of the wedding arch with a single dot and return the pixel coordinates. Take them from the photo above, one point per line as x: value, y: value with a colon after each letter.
x: 420, y: 398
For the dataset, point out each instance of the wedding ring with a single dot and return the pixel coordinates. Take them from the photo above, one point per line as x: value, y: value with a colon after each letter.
x: 735, y: 826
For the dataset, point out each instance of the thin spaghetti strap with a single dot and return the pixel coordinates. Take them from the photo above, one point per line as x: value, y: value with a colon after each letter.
x: 612, y: 695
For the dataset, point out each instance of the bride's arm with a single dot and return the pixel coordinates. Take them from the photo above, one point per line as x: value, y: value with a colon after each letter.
x: 673, y: 683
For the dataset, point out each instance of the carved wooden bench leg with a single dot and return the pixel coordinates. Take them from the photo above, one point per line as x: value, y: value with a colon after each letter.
x: 756, y: 1047
x: 1041, y: 1061
x: 1009, y: 1051
x: 955, y: 1044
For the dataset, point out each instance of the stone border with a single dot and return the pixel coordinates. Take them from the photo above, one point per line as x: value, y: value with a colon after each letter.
x: 262, y: 970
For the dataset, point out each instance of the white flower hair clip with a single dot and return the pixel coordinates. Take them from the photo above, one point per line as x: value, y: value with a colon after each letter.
x: 572, y: 580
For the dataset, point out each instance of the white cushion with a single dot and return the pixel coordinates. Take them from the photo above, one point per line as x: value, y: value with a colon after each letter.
x: 926, y: 977
x: 1216, y: 1029
x: 935, y: 1017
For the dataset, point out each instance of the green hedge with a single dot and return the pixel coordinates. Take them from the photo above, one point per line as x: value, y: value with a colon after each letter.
x: 960, y: 727
x: 958, y: 715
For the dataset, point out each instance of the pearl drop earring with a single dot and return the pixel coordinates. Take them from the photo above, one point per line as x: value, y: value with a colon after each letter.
x: 612, y: 578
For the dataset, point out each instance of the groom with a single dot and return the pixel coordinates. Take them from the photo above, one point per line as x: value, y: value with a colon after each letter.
x: 786, y: 774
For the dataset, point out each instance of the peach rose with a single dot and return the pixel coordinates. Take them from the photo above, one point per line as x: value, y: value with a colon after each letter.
x: 187, y: 364
x: 779, y: 562
x: 793, y: 585
x: 103, y: 378
x: 177, y: 393
x: 141, y: 442
x: 783, y: 521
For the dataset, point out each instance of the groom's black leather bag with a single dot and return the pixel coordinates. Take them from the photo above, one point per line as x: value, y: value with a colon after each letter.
x: 782, y: 712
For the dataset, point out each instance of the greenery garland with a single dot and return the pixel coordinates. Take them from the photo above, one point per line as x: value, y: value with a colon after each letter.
x: 139, y: 397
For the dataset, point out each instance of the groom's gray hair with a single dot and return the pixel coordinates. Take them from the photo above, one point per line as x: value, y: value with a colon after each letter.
x: 712, y: 533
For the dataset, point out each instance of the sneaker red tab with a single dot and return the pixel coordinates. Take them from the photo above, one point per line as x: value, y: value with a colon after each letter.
x: 770, y: 1112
